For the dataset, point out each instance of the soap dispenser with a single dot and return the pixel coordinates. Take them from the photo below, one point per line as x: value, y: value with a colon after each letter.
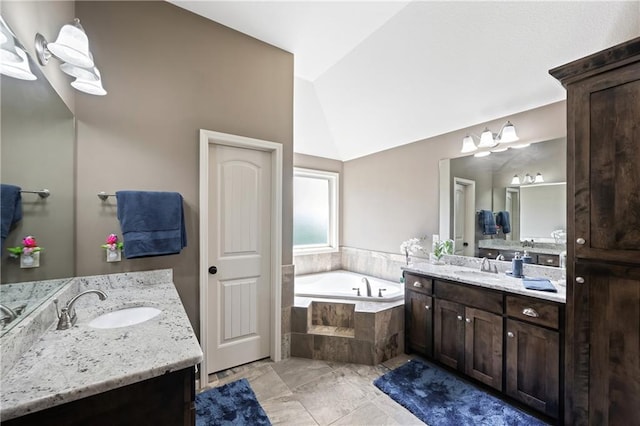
x: 526, y: 258
x: 516, y: 265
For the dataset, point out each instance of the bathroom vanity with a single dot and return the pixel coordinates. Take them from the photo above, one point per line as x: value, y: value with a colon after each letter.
x: 490, y: 328
x: 136, y: 374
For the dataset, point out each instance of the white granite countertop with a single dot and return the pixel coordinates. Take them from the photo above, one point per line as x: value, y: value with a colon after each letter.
x: 63, y: 366
x: 499, y: 281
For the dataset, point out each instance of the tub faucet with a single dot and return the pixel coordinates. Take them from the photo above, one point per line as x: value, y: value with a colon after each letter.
x: 366, y: 281
x: 67, y: 316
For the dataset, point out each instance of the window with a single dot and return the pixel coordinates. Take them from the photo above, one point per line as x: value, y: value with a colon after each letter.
x: 315, y: 211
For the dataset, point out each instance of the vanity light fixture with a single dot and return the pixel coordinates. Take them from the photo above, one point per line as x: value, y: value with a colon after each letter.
x: 8, y: 52
x: 20, y: 70
x: 72, y: 48
x: 527, y: 179
x: 491, y: 142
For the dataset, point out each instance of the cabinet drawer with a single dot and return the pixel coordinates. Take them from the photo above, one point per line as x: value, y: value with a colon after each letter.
x: 418, y: 283
x: 532, y: 310
x: 471, y: 296
x: 548, y: 260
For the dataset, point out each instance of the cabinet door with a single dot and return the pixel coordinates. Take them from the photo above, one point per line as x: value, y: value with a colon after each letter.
x: 533, y: 363
x: 606, y: 147
x: 419, y: 320
x: 449, y: 333
x: 603, y: 345
x: 483, y: 347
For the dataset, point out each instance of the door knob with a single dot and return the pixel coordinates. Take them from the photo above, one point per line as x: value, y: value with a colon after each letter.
x: 580, y: 280
x: 580, y: 241
x: 213, y: 270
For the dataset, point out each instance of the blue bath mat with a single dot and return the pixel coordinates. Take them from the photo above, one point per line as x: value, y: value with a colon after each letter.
x: 230, y: 404
x: 439, y: 398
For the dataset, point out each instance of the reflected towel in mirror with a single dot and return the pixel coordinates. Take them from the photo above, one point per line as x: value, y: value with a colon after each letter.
x: 502, y: 220
x: 10, y: 208
x: 487, y: 222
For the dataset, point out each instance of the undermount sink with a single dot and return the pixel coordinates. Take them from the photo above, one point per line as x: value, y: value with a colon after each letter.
x: 125, y: 317
x: 477, y: 274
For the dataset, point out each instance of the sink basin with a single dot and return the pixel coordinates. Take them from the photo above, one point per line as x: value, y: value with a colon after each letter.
x: 477, y: 274
x: 125, y: 317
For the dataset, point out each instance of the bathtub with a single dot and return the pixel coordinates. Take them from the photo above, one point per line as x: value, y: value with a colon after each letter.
x: 340, y: 285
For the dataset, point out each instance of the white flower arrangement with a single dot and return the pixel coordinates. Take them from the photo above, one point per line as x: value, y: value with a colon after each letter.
x: 411, y: 246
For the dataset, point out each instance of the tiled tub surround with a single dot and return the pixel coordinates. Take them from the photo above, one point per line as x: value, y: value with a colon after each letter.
x: 67, y: 365
x: 358, y: 332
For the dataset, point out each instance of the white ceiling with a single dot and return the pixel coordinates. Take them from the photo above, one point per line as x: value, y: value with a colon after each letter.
x: 374, y: 75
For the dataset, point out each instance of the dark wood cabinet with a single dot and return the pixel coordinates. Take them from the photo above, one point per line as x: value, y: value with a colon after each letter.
x: 469, y: 340
x: 418, y: 314
x: 603, y: 273
x: 532, y: 366
x: 449, y: 334
x: 164, y: 400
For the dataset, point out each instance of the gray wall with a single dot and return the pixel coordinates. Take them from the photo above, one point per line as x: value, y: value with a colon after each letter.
x: 393, y: 195
x: 169, y: 73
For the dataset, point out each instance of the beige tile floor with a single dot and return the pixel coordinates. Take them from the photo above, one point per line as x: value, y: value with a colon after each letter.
x: 302, y: 392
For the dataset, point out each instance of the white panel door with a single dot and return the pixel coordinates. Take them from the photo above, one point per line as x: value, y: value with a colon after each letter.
x: 459, y: 208
x: 239, y: 247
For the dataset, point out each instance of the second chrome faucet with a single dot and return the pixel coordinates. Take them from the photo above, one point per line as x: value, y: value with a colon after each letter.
x: 67, y: 316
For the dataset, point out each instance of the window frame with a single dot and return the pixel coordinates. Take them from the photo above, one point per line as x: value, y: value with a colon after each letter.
x: 333, y: 179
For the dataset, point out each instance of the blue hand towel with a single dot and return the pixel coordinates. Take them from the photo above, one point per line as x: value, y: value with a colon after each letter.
x: 487, y: 222
x: 10, y: 209
x: 502, y: 219
x: 541, y: 284
x: 152, y: 223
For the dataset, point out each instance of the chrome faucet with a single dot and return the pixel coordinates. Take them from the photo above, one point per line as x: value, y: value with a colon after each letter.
x: 67, y: 316
x: 487, y: 268
x: 10, y: 314
x: 366, y: 281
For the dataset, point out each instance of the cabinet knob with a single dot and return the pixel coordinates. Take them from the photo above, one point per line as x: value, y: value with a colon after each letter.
x: 510, y: 334
x: 580, y: 280
x: 549, y: 260
x: 427, y: 307
x: 468, y: 320
x: 417, y: 284
x: 580, y: 241
x: 459, y: 317
x: 530, y: 312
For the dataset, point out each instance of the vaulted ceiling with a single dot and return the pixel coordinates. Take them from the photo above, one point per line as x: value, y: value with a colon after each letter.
x: 372, y: 75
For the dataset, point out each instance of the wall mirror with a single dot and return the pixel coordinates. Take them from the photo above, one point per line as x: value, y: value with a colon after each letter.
x: 470, y: 184
x: 37, y: 152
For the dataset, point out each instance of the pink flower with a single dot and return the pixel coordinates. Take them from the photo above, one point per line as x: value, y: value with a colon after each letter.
x: 112, y: 239
x: 29, y: 241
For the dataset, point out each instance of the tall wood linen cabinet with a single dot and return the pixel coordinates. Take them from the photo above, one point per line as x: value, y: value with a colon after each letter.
x: 602, y: 352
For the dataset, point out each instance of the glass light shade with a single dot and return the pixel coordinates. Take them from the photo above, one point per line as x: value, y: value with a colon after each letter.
x: 527, y: 179
x: 508, y: 133
x: 92, y: 87
x: 486, y: 139
x: 520, y: 145
x: 72, y: 45
x: 501, y: 149
x: 468, y: 145
x: 3, y: 37
x: 89, y: 74
x: 515, y: 180
x: 20, y: 70
x: 8, y: 52
x: 539, y: 178
x: 482, y: 154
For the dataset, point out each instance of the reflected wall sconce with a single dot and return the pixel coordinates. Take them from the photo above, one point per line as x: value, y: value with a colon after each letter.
x: 72, y: 49
x: 489, y: 142
x: 527, y: 179
x: 13, y: 59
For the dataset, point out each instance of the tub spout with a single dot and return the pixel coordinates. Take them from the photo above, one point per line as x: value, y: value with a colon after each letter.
x: 366, y: 281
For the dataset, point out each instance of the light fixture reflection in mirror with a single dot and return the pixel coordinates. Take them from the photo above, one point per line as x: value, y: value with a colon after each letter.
x: 527, y: 179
